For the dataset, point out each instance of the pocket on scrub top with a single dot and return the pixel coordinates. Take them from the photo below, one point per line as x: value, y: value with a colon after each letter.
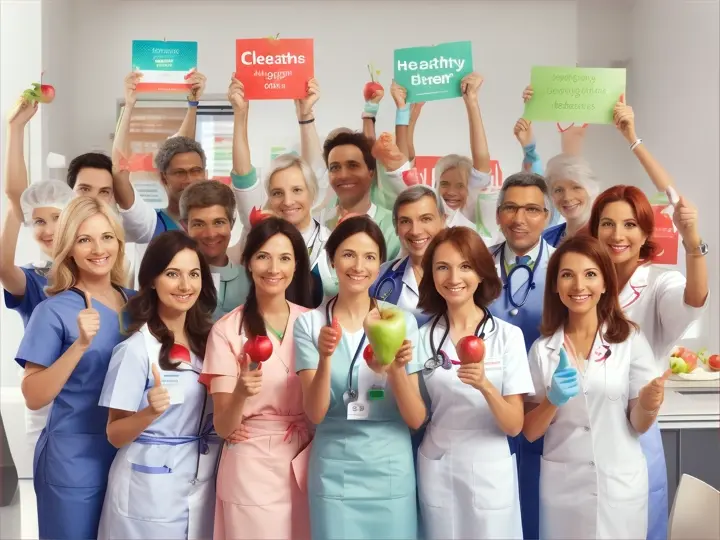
x: 249, y: 476
x: 77, y: 460
x: 154, y: 490
x: 299, y: 466
x: 433, y: 477
x: 626, y: 486
x: 494, y: 484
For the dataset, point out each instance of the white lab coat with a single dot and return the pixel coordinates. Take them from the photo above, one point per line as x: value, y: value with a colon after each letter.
x: 467, y: 477
x: 593, y: 476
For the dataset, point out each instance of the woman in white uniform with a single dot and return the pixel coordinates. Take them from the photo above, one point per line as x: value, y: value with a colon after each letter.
x: 596, y: 391
x: 162, y: 481
x: 467, y: 477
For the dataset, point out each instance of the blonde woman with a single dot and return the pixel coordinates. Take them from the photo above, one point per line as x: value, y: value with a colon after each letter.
x: 65, y: 352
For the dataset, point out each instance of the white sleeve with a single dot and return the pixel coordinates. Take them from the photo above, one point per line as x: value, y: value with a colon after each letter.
x: 477, y: 181
x: 516, y: 370
x: 643, y: 368
x: 675, y: 315
x: 139, y: 221
x: 246, y: 199
x: 392, y: 181
x: 536, y: 373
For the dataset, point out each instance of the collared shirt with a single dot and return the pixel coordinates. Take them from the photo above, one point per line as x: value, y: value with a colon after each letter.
x: 510, y: 257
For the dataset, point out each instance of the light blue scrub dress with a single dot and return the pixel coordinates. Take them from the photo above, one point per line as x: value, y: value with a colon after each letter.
x: 73, y: 455
x: 361, y: 479
x: 528, y: 318
x: 154, y: 482
x: 35, y: 283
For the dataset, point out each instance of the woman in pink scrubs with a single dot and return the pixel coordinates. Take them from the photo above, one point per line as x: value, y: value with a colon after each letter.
x: 261, y: 481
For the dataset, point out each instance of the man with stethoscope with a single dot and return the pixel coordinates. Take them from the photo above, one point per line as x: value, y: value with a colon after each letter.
x: 418, y: 215
x: 521, y: 262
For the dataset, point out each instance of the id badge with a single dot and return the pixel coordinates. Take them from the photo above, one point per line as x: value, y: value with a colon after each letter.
x: 358, y: 410
x: 171, y: 381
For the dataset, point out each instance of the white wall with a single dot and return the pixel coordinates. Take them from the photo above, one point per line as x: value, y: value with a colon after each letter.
x: 675, y: 76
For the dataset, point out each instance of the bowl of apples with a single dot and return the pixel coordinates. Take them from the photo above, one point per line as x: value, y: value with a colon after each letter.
x: 688, y: 365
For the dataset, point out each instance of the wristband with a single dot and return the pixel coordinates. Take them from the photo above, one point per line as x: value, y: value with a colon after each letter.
x: 304, y: 122
x: 529, y: 153
x: 402, y: 116
x: 634, y: 145
x: 193, y: 103
x: 366, y: 116
x: 370, y: 109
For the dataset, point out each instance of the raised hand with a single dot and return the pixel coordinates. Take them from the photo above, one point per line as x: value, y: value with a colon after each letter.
x: 328, y: 340
x: 236, y: 96
x: 523, y: 132
x: 399, y: 95
x: 131, y: 82
x: 624, y: 119
x: 304, y: 106
x: 564, y: 385
x: 470, y: 85
x: 527, y: 93
x: 404, y: 355
x: 685, y: 219
x: 387, y: 152
x: 158, y: 396
x: 88, y: 321
x: 197, y: 84
x: 249, y: 382
x: 22, y: 113
x: 653, y: 393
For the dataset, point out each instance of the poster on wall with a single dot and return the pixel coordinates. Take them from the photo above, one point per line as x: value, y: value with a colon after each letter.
x: 665, y: 234
x: 272, y: 68
x: 215, y: 134
x: 433, y: 73
x: 568, y: 94
x: 425, y: 166
x: 165, y: 65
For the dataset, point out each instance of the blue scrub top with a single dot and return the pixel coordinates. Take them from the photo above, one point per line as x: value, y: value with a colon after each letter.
x: 35, y: 283
x: 164, y: 223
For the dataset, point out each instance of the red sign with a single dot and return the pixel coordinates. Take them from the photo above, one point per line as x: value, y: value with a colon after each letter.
x: 272, y: 68
x: 425, y: 166
x: 665, y: 236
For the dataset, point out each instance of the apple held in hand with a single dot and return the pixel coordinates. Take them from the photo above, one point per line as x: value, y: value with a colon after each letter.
x: 257, y: 215
x: 385, y: 330
x: 42, y: 93
x: 258, y: 349
x: 368, y: 354
x: 471, y: 350
x: 373, y: 86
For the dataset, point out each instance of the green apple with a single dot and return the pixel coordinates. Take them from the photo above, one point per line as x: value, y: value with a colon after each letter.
x: 385, y: 330
x: 678, y: 365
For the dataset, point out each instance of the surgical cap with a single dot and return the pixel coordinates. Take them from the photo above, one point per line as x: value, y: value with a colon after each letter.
x: 47, y: 194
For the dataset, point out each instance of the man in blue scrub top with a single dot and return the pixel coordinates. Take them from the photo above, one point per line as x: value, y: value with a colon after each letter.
x: 521, y: 261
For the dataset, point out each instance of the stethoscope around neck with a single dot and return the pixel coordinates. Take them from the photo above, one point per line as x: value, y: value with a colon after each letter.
x: 439, y: 358
x: 506, y: 278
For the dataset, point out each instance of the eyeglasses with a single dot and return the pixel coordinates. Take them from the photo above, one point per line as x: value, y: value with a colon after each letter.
x: 531, y: 210
x: 182, y: 174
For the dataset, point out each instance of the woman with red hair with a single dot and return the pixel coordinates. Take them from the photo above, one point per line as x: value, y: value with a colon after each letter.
x: 664, y: 303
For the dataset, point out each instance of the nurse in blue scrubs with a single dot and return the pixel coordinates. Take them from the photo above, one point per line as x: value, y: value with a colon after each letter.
x: 65, y: 353
x: 521, y: 262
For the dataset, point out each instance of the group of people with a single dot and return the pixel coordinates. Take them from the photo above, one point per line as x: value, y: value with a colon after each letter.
x: 160, y: 423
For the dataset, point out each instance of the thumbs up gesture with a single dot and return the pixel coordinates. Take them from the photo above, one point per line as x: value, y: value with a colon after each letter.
x: 88, y: 321
x: 249, y: 382
x: 158, y: 396
x: 624, y: 118
x: 564, y: 384
x: 653, y: 393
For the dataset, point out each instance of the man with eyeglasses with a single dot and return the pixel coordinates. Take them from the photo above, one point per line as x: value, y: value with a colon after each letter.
x: 521, y: 261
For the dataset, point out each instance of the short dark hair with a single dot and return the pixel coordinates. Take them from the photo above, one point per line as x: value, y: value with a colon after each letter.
x: 525, y: 179
x: 355, y: 225
x: 91, y: 160
x: 469, y: 243
x: 354, y: 138
x: 205, y: 194
x: 299, y: 291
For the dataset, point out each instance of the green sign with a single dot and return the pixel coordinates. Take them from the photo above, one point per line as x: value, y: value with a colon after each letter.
x: 563, y: 94
x: 432, y: 73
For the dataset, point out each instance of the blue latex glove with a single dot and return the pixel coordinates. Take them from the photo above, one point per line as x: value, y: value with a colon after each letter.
x: 564, y: 384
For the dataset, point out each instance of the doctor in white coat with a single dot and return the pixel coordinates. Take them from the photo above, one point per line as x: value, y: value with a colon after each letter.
x: 467, y: 477
x: 596, y: 391
x: 162, y: 481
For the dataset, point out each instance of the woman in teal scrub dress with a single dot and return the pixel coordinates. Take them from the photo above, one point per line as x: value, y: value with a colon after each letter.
x: 361, y: 479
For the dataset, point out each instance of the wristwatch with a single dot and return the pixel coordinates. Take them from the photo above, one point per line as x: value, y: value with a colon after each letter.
x: 701, y: 250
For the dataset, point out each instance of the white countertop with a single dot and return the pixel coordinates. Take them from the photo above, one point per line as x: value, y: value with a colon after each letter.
x: 690, y: 407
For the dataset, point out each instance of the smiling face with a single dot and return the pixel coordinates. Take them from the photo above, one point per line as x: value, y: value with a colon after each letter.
x: 289, y: 197
x: 357, y: 263
x: 273, y: 266
x: 179, y: 285
x: 619, y: 231
x: 211, y: 227
x: 44, y: 222
x: 570, y: 198
x: 349, y: 175
x: 184, y: 169
x: 454, y: 277
x: 96, y: 247
x: 453, y: 188
x: 580, y: 283
x: 417, y: 224
x: 522, y: 217
x: 95, y: 183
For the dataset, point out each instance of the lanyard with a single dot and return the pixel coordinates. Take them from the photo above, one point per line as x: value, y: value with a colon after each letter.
x: 351, y: 394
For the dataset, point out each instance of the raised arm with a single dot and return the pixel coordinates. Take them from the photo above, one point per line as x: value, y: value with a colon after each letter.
x: 310, y: 147
x: 197, y: 88
x: 402, y: 117
x: 415, y: 110
x: 478, y: 141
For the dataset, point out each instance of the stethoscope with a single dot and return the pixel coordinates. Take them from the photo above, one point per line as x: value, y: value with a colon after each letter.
x: 439, y: 358
x: 313, y: 239
x: 350, y: 393
x: 507, y: 277
x: 382, y: 292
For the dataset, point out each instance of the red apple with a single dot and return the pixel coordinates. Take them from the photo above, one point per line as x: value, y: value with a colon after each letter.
x: 48, y: 93
x: 368, y: 353
x: 179, y: 354
x: 690, y: 358
x: 714, y: 362
x: 371, y: 87
x: 411, y: 177
x: 258, y: 349
x: 471, y: 350
x: 257, y: 215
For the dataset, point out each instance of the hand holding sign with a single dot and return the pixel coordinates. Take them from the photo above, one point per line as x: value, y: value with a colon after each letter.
x: 88, y: 321
x: 304, y: 106
x: 470, y: 85
x: 399, y: 95
x: 652, y: 394
x: 158, y: 396
x: 624, y: 119
x: 528, y: 93
x: 236, y: 96
x: 197, y: 84
x: 131, y: 83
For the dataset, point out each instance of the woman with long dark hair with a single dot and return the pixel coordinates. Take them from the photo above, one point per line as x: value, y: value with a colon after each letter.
x: 161, y: 483
x: 596, y: 390
x: 261, y: 480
